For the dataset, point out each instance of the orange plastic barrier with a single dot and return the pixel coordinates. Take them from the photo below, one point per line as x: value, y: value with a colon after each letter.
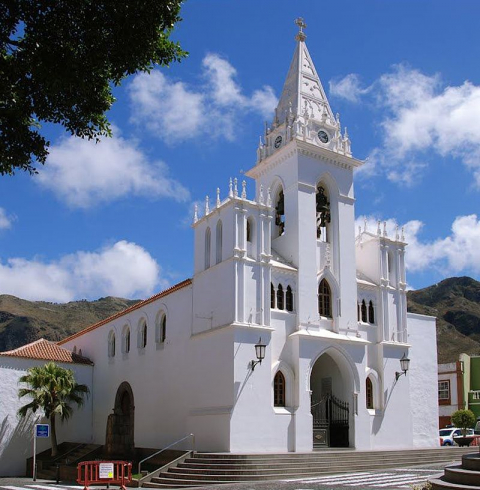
x: 98, y: 472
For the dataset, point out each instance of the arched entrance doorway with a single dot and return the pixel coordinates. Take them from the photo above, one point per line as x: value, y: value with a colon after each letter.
x: 331, y: 385
x: 120, y: 424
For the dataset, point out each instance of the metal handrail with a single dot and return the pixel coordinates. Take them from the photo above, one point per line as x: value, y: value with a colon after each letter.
x: 165, y: 448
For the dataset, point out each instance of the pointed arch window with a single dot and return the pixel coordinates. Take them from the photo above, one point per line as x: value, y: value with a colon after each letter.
x: 371, y: 313
x: 249, y: 230
x: 279, y: 390
x: 369, y: 393
x: 218, y: 240
x: 272, y: 296
x: 364, y: 311
x: 323, y: 213
x: 324, y: 299
x: 280, y: 213
x: 280, y: 297
x: 208, y: 238
x: 289, y: 299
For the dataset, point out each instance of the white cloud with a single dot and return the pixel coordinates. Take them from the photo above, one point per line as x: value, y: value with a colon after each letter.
x: 421, y: 118
x: 348, y: 87
x: 456, y: 253
x: 5, y: 219
x: 176, y: 112
x: 123, y: 269
x: 84, y: 173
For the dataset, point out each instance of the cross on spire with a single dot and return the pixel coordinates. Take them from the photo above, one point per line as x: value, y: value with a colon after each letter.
x: 301, y: 25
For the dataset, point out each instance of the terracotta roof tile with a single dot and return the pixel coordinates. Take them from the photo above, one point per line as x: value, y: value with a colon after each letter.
x: 166, y: 292
x: 45, y: 350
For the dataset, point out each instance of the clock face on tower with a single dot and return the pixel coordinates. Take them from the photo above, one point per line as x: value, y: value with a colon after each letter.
x: 278, y: 141
x: 323, y: 136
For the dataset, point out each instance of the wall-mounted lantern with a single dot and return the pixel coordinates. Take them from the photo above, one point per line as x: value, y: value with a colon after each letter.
x: 259, y: 352
x: 404, y: 365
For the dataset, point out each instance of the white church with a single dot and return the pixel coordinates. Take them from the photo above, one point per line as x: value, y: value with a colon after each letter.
x: 293, y: 332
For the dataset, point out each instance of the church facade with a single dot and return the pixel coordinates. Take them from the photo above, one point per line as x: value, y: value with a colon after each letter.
x: 284, y: 272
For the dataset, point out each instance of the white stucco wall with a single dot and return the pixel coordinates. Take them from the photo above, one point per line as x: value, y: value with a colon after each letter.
x: 16, y: 435
x: 423, y: 377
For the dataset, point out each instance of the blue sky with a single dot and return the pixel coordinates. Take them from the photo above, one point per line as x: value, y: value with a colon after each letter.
x: 114, y: 218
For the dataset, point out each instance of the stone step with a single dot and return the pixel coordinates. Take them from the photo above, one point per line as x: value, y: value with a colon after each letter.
x: 221, y: 468
x: 439, y: 484
x: 457, y: 474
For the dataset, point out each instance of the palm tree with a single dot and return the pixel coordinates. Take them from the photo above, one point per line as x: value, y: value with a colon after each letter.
x: 52, y: 389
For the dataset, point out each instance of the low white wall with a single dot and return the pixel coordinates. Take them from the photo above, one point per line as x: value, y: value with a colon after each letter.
x: 16, y: 434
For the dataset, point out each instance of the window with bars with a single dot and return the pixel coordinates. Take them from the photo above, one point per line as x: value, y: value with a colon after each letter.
x: 143, y: 336
x: 279, y: 390
x: 369, y: 393
x: 324, y: 299
x: 272, y: 296
x: 444, y: 390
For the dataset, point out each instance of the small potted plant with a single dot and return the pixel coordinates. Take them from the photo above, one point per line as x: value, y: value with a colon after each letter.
x: 463, y: 419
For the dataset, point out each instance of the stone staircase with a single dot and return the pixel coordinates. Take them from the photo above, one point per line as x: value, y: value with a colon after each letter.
x: 48, y: 471
x: 214, y: 469
x: 464, y: 476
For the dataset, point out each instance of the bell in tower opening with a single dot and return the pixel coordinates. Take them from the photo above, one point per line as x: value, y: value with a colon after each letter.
x: 323, y: 213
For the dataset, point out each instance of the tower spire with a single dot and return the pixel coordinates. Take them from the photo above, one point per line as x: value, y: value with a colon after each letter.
x: 303, y: 87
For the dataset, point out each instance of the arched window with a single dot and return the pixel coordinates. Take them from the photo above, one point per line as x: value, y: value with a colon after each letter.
x: 249, y: 230
x: 280, y: 297
x: 126, y: 340
x: 364, y: 311
x: 143, y: 335
x: 272, y: 296
x: 218, y: 242
x: 289, y: 299
x: 371, y: 313
x: 163, y: 329
x: 369, y: 393
x: 111, y: 344
x: 324, y: 299
x: 280, y: 213
x: 279, y: 390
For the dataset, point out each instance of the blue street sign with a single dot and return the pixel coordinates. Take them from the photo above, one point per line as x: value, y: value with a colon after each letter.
x: 42, y: 430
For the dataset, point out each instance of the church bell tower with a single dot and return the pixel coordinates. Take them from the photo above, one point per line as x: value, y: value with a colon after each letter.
x: 305, y: 162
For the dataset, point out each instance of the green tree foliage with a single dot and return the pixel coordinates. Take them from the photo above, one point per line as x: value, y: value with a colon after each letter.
x: 52, y: 389
x: 463, y: 419
x: 59, y: 60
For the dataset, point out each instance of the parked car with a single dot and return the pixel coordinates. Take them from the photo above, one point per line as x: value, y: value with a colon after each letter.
x: 447, y: 435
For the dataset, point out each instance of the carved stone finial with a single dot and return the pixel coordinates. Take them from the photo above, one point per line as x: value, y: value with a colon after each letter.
x: 218, y: 197
x: 397, y: 236
x: 230, y: 188
x: 235, y: 187
x: 195, y: 213
x: 244, y: 190
x: 269, y: 197
x: 379, y: 231
x: 403, y: 233
x: 260, y: 197
x: 365, y: 224
x: 385, y: 229
x: 301, y: 25
x: 207, y: 205
x: 359, y: 230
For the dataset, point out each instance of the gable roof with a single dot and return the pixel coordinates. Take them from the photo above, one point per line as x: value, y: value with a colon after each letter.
x: 136, y: 306
x: 46, y: 350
